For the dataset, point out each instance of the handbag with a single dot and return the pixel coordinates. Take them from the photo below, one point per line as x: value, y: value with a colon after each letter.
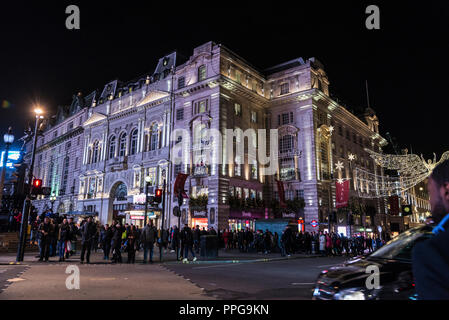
x: 69, y: 246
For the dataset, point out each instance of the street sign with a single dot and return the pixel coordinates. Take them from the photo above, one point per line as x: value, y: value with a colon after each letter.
x: 314, y: 223
x: 176, y: 211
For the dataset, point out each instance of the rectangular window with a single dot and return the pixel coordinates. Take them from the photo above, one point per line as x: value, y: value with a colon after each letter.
x: 181, y: 82
x: 70, y: 126
x: 180, y: 114
x: 300, y: 194
x: 291, y: 117
x: 284, y: 118
x: 237, y: 109
x: 284, y: 88
x: 202, y: 107
x: 178, y: 168
x: 202, y: 73
x: 254, y: 116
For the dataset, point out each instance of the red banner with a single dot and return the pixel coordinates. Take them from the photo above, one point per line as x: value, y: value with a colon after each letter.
x: 281, y: 194
x: 179, y: 184
x: 342, y: 194
x: 394, y: 205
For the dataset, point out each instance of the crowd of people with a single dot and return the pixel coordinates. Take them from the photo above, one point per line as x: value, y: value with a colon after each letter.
x: 57, y: 235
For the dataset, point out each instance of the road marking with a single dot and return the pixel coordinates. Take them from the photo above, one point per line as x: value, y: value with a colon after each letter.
x: 302, y: 283
x: 102, y: 279
x: 218, y: 265
x: 327, y: 265
x: 15, y: 279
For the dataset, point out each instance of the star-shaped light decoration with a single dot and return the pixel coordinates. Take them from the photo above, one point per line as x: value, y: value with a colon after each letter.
x: 331, y: 129
x: 340, y: 180
x: 339, y: 165
x: 351, y: 157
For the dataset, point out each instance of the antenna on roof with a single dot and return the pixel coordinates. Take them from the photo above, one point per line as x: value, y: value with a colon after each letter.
x: 367, y: 93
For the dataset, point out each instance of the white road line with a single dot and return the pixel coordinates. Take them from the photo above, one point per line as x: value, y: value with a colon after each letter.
x: 217, y: 266
x: 327, y: 265
x: 302, y: 283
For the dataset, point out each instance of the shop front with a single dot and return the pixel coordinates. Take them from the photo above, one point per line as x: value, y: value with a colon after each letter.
x: 240, y: 220
x: 198, y: 218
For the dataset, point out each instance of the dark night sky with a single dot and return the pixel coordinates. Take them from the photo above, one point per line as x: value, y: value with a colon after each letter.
x: 406, y: 62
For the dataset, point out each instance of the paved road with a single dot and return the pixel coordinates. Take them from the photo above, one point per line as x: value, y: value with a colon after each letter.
x: 285, y: 279
x: 9, y: 275
x: 265, y: 279
x: 101, y: 281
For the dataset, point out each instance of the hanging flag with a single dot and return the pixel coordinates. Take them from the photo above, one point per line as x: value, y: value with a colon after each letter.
x: 394, y: 205
x: 281, y: 194
x: 179, y: 184
x: 342, y: 193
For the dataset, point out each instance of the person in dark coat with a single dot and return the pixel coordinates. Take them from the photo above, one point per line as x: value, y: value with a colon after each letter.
x: 105, y: 239
x: 88, y: 231
x: 187, y: 239
x: 63, y: 237
x: 116, y: 243
x: 196, y: 239
x: 45, y: 229
x: 131, y: 238
x: 430, y: 258
x: 175, y: 241
x: 147, y: 238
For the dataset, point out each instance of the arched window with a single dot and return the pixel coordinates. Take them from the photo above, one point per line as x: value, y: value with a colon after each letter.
x: 133, y: 142
x: 122, y: 145
x: 154, y: 137
x: 95, y: 152
x: 112, y: 147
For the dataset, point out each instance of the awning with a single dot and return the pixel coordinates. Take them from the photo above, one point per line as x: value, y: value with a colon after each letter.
x: 81, y: 213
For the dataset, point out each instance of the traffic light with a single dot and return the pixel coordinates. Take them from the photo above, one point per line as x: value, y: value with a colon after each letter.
x: 36, y: 188
x: 158, y: 196
x: 406, y: 209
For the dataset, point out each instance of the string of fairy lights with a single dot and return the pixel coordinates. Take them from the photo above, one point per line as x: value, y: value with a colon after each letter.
x: 411, y: 169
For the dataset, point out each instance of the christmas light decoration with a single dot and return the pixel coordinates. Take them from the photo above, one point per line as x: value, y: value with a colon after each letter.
x: 339, y: 165
x: 411, y: 168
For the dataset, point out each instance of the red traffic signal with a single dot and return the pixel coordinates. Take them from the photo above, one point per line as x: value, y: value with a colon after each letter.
x: 37, y: 183
x: 36, y: 188
x: 158, y: 196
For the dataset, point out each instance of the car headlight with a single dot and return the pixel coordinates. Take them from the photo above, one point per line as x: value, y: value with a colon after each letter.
x: 350, y: 294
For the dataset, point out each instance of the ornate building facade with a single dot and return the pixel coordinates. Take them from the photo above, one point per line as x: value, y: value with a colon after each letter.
x: 129, y: 132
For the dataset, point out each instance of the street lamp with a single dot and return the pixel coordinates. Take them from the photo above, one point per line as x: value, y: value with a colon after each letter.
x: 27, y: 205
x: 147, y: 183
x: 8, y: 138
x: 52, y: 201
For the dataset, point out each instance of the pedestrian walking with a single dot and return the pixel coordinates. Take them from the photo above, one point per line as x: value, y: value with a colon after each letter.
x: 147, y: 238
x: 63, y: 237
x: 88, y: 231
x: 131, y: 244
x: 187, y: 239
x: 105, y: 239
x: 45, y: 229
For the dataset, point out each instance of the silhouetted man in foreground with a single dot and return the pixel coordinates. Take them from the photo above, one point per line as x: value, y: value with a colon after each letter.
x: 431, y: 257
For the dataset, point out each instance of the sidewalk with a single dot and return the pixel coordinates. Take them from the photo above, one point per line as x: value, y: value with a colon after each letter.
x: 224, y: 256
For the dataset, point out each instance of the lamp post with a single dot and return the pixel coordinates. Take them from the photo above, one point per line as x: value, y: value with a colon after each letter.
x: 52, y: 201
x: 147, y: 183
x: 8, y: 138
x: 27, y: 204
x: 163, y: 214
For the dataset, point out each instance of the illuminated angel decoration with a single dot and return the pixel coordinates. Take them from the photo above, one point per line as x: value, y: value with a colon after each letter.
x: 412, y: 170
